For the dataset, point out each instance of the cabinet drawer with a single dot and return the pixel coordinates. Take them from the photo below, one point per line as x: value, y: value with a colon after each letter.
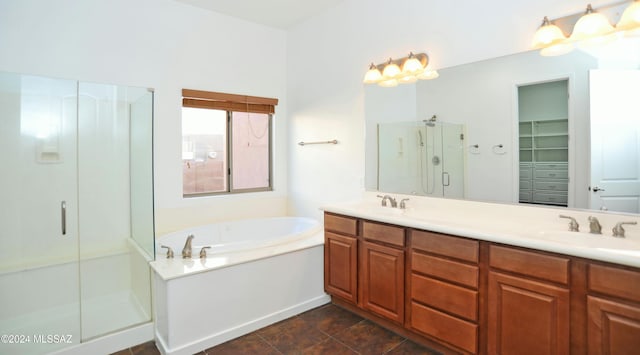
x: 455, y: 247
x: 547, y: 267
x: 550, y: 197
x: 383, y: 233
x: 340, y: 224
x: 551, y: 174
x: 615, y: 282
x: 551, y: 185
x: 552, y: 166
x: 449, y: 270
x: 445, y: 296
x: 454, y: 331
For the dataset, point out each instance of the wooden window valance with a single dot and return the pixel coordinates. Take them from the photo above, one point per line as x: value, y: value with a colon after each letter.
x: 227, y: 102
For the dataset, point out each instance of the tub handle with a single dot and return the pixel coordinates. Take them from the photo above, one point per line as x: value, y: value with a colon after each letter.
x: 203, y: 252
x: 169, y: 251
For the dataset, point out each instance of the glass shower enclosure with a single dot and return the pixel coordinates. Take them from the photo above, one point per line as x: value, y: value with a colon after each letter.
x: 77, y: 211
x: 422, y: 158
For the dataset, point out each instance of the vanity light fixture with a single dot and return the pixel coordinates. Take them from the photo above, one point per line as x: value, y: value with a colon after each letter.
x: 400, y: 71
x: 589, y: 29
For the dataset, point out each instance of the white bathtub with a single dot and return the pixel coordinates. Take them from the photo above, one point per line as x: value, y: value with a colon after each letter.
x: 241, y: 235
x: 258, y: 272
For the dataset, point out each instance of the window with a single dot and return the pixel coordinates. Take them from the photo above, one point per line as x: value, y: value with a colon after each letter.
x: 226, y: 143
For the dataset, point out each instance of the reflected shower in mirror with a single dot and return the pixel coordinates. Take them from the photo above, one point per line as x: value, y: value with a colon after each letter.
x: 483, y: 98
x: 421, y: 158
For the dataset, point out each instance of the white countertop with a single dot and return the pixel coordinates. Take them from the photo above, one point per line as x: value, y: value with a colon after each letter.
x: 524, y: 226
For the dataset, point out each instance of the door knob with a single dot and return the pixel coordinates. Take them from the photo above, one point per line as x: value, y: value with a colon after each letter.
x: 596, y: 189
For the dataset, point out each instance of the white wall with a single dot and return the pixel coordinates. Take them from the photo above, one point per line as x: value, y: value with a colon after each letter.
x: 329, y: 54
x: 167, y: 46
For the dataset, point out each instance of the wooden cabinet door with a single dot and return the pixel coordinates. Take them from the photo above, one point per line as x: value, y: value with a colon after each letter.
x: 613, y: 327
x: 527, y: 317
x: 341, y: 266
x: 382, y: 280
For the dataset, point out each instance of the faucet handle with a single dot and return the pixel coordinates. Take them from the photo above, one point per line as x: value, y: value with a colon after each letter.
x: 203, y: 252
x: 169, y: 251
x: 384, y: 200
x: 618, y: 231
x: 573, y: 224
x: 403, y: 205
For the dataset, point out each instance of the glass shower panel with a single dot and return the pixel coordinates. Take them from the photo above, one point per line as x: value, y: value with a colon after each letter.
x: 109, y: 257
x: 400, y: 157
x: 39, y: 236
x: 141, y: 142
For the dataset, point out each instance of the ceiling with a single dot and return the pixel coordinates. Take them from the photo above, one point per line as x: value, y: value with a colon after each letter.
x: 274, y: 13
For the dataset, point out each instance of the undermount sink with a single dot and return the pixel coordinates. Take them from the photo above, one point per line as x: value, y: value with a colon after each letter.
x: 584, y: 239
x: 384, y: 210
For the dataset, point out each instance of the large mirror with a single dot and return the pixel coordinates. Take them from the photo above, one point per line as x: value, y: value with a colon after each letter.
x: 523, y: 128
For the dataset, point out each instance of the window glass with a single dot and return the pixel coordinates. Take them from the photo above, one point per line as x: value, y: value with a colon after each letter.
x: 204, y: 151
x: 250, y: 150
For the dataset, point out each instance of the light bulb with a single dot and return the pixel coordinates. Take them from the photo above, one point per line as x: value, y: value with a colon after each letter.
x: 391, y: 70
x: 590, y: 25
x: 373, y: 75
x: 547, y: 35
x: 630, y: 17
x: 412, y: 65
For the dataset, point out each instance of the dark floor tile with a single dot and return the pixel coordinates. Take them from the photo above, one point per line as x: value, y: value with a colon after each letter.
x: 279, y: 327
x: 123, y: 352
x: 368, y: 338
x: 410, y: 348
x: 331, y: 319
x: 148, y: 348
x: 246, y: 345
x: 293, y: 336
x: 329, y: 346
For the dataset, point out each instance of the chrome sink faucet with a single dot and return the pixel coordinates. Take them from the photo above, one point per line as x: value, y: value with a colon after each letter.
x: 393, y: 201
x: 594, y: 225
x: 186, y: 251
x: 573, y: 224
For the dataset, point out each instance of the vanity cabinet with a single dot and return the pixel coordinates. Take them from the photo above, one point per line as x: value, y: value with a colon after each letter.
x: 341, y: 257
x: 528, y: 302
x: 382, y: 270
x: 461, y: 295
x: 613, y: 308
x: 444, y: 288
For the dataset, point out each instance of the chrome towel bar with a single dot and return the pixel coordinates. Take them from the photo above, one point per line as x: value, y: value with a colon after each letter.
x: 335, y: 141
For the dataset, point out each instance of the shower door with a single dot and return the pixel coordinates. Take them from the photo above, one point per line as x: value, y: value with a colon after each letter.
x: 76, y: 228
x: 39, y: 297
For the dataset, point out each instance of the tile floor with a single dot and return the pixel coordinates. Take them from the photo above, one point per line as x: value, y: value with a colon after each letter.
x: 328, y: 329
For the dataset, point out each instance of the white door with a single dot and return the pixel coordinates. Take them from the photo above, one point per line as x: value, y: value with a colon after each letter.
x: 615, y: 149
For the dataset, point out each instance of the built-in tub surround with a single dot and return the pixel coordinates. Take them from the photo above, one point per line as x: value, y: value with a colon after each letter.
x: 533, y: 227
x: 240, y: 286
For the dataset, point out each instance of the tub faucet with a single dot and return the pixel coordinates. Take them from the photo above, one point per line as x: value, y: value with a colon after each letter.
x: 169, y: 251
x: 594, y: 225
x: 186, y: 251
